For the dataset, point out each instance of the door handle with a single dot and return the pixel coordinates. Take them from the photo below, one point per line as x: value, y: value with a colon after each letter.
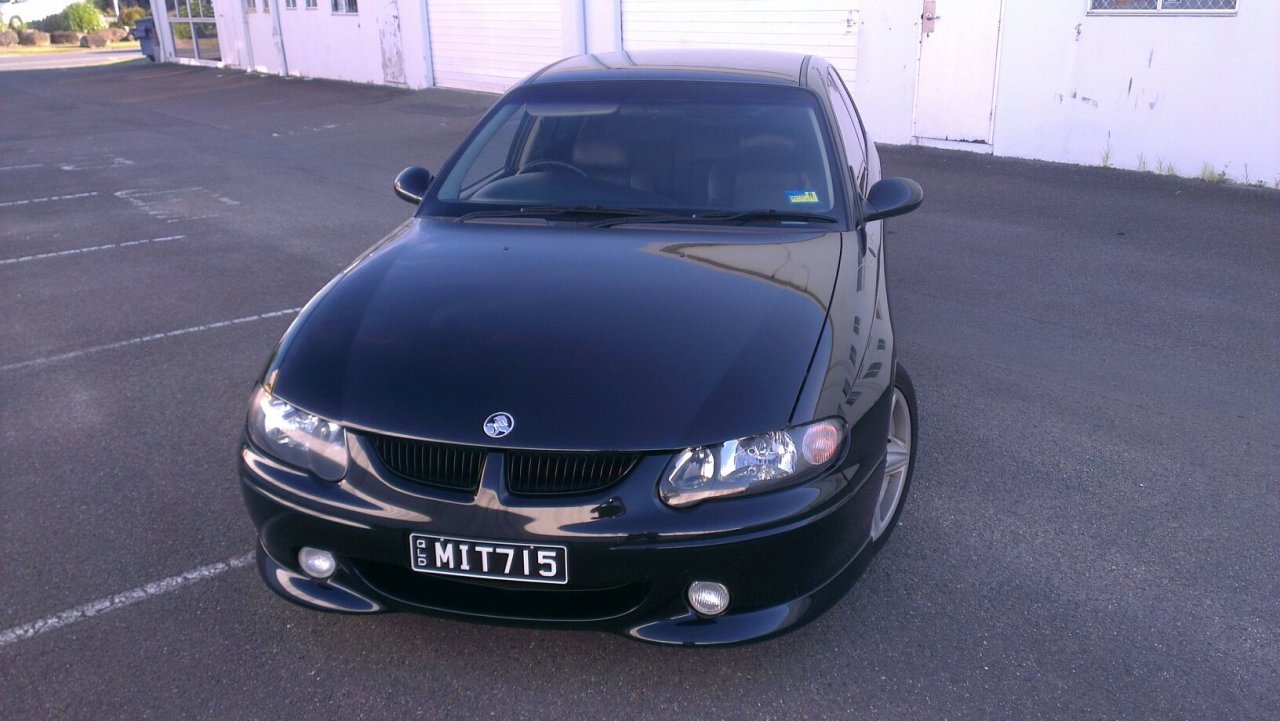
x: 928, y: 14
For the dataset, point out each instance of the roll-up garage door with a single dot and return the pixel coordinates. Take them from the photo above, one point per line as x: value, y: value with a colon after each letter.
x: 823, y: 27
x: 490, y: 45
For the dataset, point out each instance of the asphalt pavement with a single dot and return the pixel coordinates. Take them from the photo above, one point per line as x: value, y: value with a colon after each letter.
x: 1093, y: 532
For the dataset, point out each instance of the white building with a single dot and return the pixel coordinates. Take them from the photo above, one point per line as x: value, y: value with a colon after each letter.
x: 1145, y: 84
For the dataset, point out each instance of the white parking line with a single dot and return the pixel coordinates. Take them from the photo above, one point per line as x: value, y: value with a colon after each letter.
x: 120, y: 600
x: 97, y: 162
x: 51, y: 198
x: 167, y: 191
x: 145, y: 339
x: 178, y: 203
x: 90, y: 249
x: 92, y: 162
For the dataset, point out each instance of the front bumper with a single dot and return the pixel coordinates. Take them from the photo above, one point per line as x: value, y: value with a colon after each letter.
x: 785, y: 556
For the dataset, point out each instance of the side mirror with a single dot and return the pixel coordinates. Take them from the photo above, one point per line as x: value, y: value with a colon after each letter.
x: 412, y: 183
x: 890, y: 197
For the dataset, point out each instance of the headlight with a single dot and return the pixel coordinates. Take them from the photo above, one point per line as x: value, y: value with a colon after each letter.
x: 752, y: 464
x: 297, y: 437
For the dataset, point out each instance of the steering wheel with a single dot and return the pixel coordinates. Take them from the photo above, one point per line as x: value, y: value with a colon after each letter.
x: 535, y: 165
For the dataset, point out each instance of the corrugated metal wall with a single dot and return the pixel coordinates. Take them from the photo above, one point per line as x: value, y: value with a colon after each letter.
x: 490, y: 45
x: 823, y: 27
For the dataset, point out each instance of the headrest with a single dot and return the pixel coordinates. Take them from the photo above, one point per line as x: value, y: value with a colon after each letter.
x: 600, y: 154
x: 768, y: 142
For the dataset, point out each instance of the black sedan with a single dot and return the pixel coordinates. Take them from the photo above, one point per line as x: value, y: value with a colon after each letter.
x: 630, y: 366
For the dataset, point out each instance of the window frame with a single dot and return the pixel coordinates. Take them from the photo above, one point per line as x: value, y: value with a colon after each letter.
x: 344, y: 7
x: 197, y: 26
x: 834, y: 85
x: 1159, y: 11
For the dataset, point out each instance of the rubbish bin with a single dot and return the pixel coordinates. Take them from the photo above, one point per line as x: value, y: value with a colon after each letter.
x: 145, y: 32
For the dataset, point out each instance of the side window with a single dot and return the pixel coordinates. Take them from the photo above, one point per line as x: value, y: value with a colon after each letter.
x: 855, y: 143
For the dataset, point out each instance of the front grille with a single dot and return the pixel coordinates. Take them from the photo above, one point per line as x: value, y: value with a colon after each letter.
x: 545, y: 474
x: 529, y: 473
x: 456, y: 468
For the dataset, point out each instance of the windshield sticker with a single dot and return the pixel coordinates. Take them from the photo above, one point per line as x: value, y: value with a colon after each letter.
x: 802, y: 196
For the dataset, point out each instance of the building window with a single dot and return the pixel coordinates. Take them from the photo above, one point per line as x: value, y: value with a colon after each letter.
x: 193, y: 29
x: 291, y: 4
x: 311, y: 4
x: 251, y: 6
x: 1208, y: 7
x: 345, y: 6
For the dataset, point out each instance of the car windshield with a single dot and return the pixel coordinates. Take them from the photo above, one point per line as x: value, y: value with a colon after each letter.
x: 679, y: 150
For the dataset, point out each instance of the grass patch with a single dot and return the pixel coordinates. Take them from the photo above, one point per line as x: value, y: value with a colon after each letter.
x: 1210, y: 174
x: 55, y: 49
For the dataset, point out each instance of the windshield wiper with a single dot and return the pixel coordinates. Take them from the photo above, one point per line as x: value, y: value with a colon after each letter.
x: 619, y: 216
x: 745, y: 216
x: 553, y: 210
x: 766, y: 214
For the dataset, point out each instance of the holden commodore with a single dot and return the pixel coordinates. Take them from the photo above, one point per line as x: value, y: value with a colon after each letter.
x: 629, y: 366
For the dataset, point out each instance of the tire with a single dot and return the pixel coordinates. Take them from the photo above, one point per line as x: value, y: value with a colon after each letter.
x: 904, y: 401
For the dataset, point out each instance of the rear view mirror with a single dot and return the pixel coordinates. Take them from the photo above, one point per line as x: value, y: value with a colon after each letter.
x: 412, y: 183
x: 890, y: 197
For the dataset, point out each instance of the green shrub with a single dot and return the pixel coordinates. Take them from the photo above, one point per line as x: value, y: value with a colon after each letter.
x: 52, y: 24
x: 129, y: 16
x: 84, y: 16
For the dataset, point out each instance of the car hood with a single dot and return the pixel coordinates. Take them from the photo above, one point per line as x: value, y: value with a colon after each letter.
x: 625, y: 338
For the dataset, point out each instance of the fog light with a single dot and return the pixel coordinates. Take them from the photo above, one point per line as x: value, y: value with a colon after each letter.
x: 316, y: 563
x: 708, y: 598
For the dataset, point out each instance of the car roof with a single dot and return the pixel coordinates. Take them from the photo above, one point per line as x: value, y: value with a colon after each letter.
x: 747, y: 66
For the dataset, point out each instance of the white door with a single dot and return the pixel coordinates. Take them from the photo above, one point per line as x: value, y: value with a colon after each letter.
x: 822, y: 27
x: 263, y: 36
x: 389, y: 37
x: 492, y: 44
x: 955, y: 94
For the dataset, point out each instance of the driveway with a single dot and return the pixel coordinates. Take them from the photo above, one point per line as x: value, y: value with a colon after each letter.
x: 1092, y: 534
x: 65, y: 59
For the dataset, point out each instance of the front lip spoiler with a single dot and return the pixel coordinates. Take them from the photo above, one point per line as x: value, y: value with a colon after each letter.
x: 681, y: 629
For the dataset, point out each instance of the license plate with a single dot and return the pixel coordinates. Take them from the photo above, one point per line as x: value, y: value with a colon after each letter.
x: 488, y: 559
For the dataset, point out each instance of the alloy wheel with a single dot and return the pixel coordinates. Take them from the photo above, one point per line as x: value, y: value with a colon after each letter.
x: 897, y: 463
